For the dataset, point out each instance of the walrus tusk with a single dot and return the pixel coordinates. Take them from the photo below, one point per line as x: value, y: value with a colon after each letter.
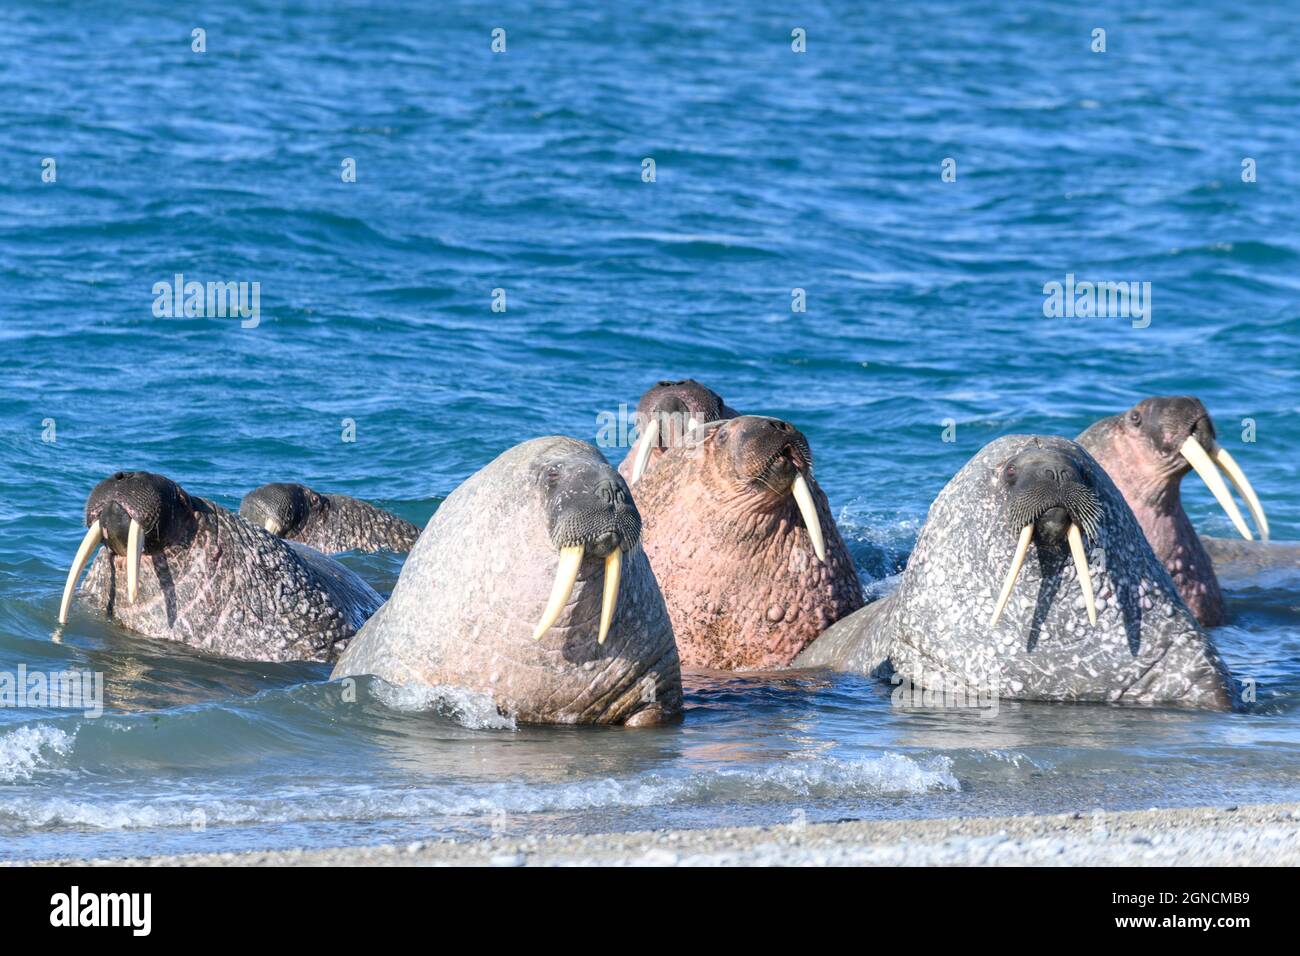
x: 1199, y: 460
x: 803, y: 497
x: 1022, y: 548
x: 1081, y: 565
x: 91, y: 541
x: 691, y: 424
x: 649, y: 438
x: 566, y: 575
x: 133, y: 549
x: 1238, y: 477
x: 613, y: 573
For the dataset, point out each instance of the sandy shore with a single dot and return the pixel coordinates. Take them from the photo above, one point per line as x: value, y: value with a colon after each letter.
x: 1266, y: 834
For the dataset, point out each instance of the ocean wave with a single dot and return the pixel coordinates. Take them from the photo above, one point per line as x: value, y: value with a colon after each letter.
x: 472, y: 709
x: 29, y: 749
x: 817, y: 779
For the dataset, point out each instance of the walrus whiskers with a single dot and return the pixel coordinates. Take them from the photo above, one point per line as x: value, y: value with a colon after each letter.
x: 93, y: 538
x: 1204, y: 467
x: 1081, y: 565
x: 808, y: 509
x: 1243, y: 486
x: 1022, y: 548
x: 134, y: 546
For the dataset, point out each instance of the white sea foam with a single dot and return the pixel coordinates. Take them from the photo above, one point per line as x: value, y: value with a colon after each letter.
x: 30, y: 748
x: 472, y: 709
x: 819, y: 778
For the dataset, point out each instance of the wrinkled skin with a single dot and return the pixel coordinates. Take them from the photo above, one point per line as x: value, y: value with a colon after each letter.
x: 1140, y: 450
x: 328, y: 523
x: 210, y: 580
x: 476, y: 583
x: 935, y: 632
x: 674, y: 405
x: 734, y: 559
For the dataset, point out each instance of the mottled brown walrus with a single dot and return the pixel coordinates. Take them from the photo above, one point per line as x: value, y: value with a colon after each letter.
x: 741, y: 538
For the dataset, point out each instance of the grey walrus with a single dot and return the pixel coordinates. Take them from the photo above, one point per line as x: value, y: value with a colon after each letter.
x: 181, y: 568
x: 1147, y: 451
x: 328, y: 523
x: 529, y: 584
x: 665, y: 415
x: 1031, y: 580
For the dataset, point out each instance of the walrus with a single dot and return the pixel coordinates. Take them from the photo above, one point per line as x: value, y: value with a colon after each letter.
x: 181, y: 568
x: 328, y: 523
x: 529, y: 584
x: 1031, y: 580
x: 1147, y: 451
x: 665, y: 414
x: 742, y: 540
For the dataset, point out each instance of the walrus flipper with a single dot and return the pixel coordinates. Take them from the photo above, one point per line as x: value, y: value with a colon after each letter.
x: 857, y: 643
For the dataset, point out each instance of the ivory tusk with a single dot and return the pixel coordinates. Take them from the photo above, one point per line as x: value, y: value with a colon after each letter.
x: 94, y: 535
x: 1022, y: 548
x: 1242, y: 483
x: 613, y: 574
x: 1200, y: 461
x: 566, y: 575
x: 649, y: 438
x: 808, y: 509
x: 1081, y: 566
x: 133, y: 548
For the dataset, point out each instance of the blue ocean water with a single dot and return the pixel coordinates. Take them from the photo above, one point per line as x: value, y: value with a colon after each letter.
x: 522, y: 171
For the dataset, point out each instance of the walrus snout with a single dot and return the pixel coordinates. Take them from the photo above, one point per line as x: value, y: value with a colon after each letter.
x: 592, y: 516
x: 773, y: 458
x: 1050, y: 502
x: 134, y: 513
x: 1053, y: 524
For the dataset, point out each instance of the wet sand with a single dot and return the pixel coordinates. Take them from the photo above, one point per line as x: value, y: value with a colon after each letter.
x: 1265, y: 834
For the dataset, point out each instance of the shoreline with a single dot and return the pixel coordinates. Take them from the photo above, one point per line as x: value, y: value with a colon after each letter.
x: 1247, y: 835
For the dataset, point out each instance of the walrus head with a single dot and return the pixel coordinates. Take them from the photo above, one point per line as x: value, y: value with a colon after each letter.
x: 1049, y: 500
x: 281, y: 507
x: 134, y: 513
x: 667, y: 413
x: 1148, y: 449
x: 759, y: 466
x: 744, y: 545
x: 589, y: 511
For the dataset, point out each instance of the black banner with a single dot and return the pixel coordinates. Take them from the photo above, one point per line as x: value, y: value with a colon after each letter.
x: 133, y: 905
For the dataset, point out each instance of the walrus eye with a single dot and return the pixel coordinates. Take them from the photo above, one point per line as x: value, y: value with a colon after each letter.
x: 552, y: 474
x: 1135, y: 417
x: 1010, y: 473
